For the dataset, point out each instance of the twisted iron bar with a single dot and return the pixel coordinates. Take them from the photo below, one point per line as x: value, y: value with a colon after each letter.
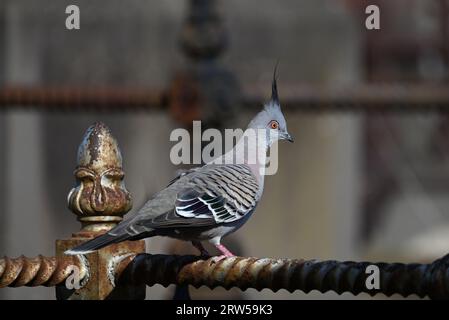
x: 396, y: 278
x: 38, y: 271
x: 290, y: 274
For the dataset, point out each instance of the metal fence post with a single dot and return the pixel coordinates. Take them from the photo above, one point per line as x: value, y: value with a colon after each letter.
x: 99, y: 200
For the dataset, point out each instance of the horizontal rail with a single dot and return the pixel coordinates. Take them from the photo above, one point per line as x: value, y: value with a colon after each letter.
x: 397, y: 278
x: 423, y: 280
x: 362, y: 97
x: 64, y: 98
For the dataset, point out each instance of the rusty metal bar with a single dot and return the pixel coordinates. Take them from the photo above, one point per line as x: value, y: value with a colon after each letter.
x: 363, y: 97
x: 423, y: 280
x: 39, y: 271
x: 63, y: 98
x: 395, y: 278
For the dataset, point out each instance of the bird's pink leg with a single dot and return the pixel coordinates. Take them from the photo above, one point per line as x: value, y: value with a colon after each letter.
x: 200, y: 247
x: 226, y: 253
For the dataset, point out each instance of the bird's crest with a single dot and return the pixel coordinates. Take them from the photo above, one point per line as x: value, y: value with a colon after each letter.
x: 274, y: 101
x: 274, y: 88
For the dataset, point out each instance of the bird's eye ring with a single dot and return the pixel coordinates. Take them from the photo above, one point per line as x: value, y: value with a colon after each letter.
x: 274, y: 125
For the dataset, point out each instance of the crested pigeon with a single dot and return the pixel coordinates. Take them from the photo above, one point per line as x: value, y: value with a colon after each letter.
x: 208, y: 202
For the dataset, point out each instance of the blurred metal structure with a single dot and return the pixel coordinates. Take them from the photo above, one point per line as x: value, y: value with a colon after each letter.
x: 107, y: 99
x: 311, y: 98
x: 203, y: 89
x: 121, y: 271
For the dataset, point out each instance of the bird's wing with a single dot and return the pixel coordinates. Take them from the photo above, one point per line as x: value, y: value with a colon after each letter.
x: 224, y: 192
x: 215, y: 194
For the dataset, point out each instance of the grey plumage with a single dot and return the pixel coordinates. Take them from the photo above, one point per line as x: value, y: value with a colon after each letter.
x: 201, y: 198
x: 204, y: 203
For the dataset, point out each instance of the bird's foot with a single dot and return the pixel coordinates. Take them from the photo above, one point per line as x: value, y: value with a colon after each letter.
x: 226, y: 253
x: 202, y: 250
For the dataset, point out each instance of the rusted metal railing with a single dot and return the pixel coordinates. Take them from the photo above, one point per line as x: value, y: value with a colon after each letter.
x: 396, y: 278
x: 275, y: 274
x: 100, y: 199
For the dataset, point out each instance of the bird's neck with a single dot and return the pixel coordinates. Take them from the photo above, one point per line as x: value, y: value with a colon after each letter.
x: 251, y: 149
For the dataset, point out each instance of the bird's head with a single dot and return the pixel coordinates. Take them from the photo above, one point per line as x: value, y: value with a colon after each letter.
x: 271, y: 117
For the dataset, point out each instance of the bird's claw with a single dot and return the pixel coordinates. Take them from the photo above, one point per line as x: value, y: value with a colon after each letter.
x: 218, y: 258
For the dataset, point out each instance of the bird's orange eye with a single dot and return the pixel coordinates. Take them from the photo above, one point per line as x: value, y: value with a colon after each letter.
x: 274, y: 124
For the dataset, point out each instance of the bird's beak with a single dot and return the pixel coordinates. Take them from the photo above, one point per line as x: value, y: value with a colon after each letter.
x: 288, y: 136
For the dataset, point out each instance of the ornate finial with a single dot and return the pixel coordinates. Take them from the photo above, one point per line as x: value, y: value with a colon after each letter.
x: 100, y: 198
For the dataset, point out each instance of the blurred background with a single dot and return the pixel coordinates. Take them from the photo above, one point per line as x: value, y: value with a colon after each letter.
x: 366, y: 179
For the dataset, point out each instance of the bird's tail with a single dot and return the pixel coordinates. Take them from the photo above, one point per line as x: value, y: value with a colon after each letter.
x: 98, y: 243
